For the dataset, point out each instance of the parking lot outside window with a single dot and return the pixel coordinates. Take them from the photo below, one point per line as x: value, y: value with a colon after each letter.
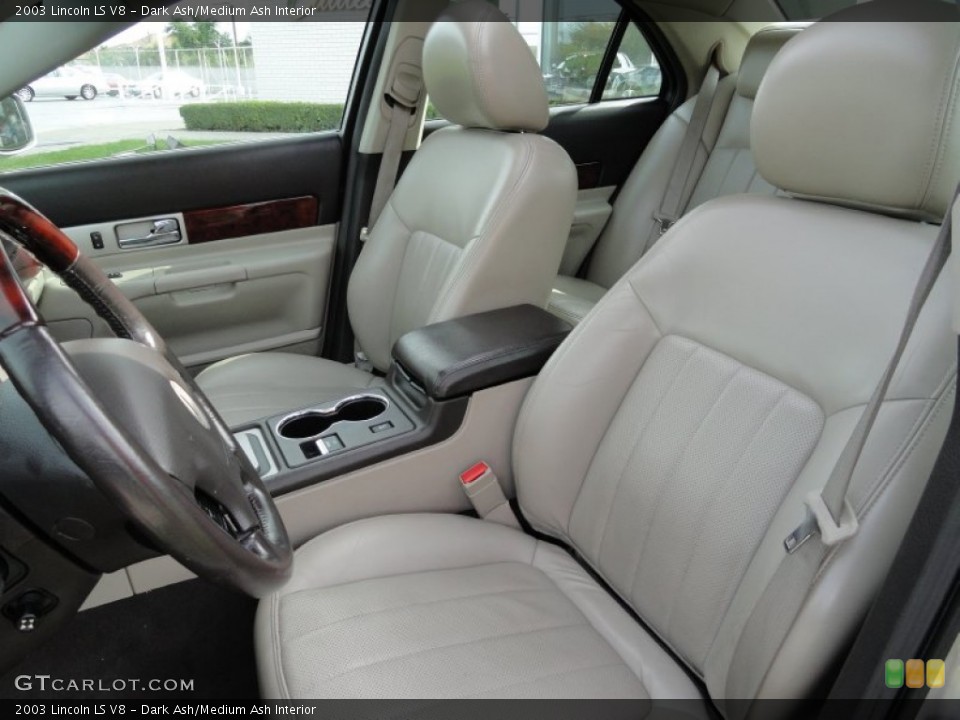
x: 162, y: 86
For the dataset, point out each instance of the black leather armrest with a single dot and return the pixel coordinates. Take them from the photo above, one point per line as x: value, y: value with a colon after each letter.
x: 458, y: 357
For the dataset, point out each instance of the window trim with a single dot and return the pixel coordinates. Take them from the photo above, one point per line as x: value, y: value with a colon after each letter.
x: 609, y: 56
x: 673, y: 84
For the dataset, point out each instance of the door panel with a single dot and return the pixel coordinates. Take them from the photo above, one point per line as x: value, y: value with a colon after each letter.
x: 248, y: 266
x: 605, y: 139
x: 589, y: 218
x: 215, y: 300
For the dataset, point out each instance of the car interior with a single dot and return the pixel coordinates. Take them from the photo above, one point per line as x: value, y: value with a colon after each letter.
x: 486, y: 396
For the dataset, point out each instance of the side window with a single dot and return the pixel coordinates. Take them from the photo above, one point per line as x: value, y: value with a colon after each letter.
x: 161, y: 86
x: 635, y: 71
x: 572, y: 42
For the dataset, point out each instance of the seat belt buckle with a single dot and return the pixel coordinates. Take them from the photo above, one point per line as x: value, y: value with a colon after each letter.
x: 820, y: 520
x: 664, y: 222
x: 482, y: 488
x: 364, y: 234
x: 361, y: 362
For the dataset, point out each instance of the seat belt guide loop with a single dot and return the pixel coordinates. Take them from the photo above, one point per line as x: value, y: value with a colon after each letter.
x: 820, y: 520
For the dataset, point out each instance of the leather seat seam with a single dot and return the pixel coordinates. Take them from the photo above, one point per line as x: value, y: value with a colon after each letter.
x: 668, y: 476
x: 492, y: 638
x: 946, y: 113
x: 909, y: 445
x: 413, y: 572
x: 566, y: 348
x: 405, y: 606
x: 633, y: 448
x: 784, y: 392
x: 469, y: 258
x: 278, y: 647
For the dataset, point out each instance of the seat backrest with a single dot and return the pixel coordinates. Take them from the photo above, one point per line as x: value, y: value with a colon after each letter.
x: 673, y: 438
x: 479, y: 218
x: 724, y: 163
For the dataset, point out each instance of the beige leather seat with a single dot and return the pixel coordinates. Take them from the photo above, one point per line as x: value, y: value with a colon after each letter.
x: 672, y: 438
x: 476, y: 222
x: 724, y: 166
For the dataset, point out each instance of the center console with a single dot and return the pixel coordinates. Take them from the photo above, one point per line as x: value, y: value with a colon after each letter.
x: 421, y: 401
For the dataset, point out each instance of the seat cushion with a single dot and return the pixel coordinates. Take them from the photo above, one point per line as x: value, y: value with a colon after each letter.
x: 446, y: 606
x: 572, y: 298
x: 251, y: 387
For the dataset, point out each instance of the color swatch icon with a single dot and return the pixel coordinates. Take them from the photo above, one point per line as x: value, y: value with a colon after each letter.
x: 936, y: 673
x: 893, y: 673
x: 914, y: 673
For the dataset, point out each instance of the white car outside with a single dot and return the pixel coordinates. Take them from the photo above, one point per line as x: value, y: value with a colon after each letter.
x: 68, y: 82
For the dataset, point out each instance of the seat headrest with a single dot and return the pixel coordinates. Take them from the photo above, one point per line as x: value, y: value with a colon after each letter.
x: 759, y: 53
x: 480, y: 72
x: 865, y: 114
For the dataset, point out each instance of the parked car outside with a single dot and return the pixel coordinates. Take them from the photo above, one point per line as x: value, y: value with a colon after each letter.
x: 635, y: 82
x: 167, y: 84
x: 572, y: 78
x: 68, y: 82
x: 115, y: 84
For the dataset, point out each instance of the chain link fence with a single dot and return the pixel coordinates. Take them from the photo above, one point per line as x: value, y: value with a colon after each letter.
x: 222, y: 72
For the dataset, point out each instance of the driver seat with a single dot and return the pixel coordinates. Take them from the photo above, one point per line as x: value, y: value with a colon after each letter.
x: 671, y: 440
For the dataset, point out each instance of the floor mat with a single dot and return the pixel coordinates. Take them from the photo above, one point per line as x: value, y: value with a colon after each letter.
x: 192, y: 631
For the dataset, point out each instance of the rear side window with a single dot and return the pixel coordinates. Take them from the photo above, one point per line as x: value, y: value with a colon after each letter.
x: 589, y: 50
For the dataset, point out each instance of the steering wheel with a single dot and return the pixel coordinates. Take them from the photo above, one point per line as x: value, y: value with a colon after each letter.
x: 149, y: 439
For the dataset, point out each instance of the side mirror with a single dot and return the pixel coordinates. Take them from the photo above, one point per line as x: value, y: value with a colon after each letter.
x: 16, y: 132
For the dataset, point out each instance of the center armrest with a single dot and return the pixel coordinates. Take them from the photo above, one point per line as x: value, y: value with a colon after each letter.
x: 461, y: 356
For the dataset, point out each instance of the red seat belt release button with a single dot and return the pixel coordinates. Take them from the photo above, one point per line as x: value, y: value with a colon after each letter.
x: 483, y: 490
x: 474, y: 473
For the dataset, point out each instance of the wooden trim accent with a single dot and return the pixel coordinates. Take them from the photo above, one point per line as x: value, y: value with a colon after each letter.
x: 233, y: 221
x: 36, y: 233
x: 588, y: 175
x: 15, y: 306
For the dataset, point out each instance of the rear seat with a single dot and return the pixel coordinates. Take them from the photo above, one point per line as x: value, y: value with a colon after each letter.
x: 724, y: 166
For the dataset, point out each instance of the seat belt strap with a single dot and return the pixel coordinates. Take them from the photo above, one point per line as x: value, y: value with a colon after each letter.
x: 788, y: 584
x: 678, y: 193
x: 828, y: 510
x: 482, y: 488
x: 402, y: 99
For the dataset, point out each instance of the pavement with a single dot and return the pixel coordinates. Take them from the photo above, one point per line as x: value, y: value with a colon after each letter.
x: 60, y: 124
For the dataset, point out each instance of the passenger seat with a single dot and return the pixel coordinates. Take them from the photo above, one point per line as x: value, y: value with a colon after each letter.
x: 724, y: 166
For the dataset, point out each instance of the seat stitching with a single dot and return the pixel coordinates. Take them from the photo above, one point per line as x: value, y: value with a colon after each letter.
x: 944, y: 118
x: 278, y: 647
x: 428, y: 571
x: 470, y: 257
x: 701, y: 525
x: 639, y: 436
x: 491, y: 638
x: 673, y: 470
x: 573, y: 602
x: 562, y: 351
x: 405, y: 606
x: 671, y: 473
x: 912, y: 440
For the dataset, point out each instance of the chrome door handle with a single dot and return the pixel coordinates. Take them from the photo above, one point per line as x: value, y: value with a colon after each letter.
x: 163, y: 232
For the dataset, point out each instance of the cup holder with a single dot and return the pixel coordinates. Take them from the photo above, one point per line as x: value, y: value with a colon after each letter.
x: 315, y: 422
